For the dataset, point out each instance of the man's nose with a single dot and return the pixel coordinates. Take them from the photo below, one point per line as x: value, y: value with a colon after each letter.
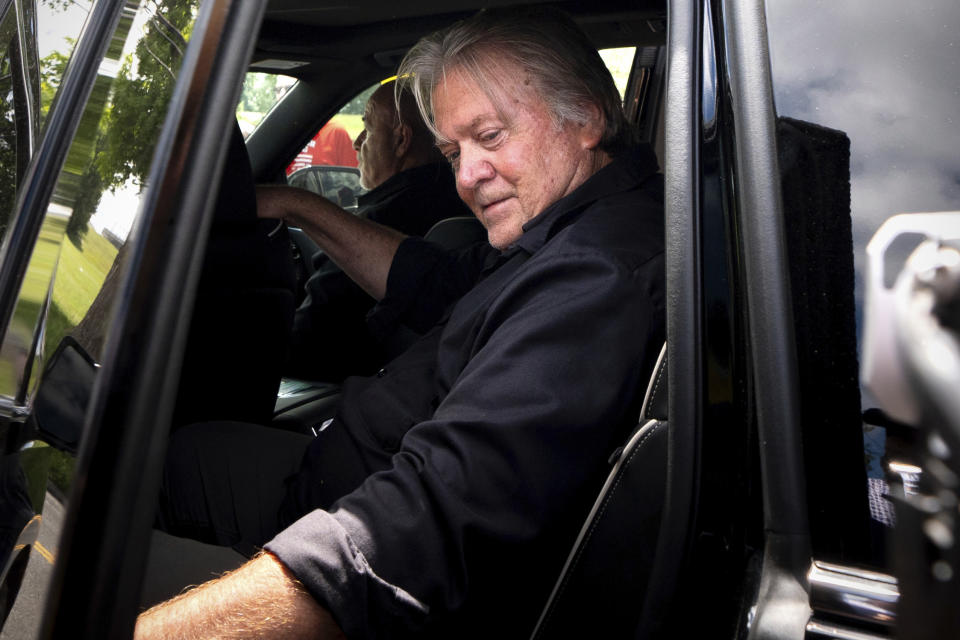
x: 473, y: 169
x: 359, y: 140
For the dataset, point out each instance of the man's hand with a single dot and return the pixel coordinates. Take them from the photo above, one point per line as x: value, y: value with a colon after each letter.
x: 261, y: 599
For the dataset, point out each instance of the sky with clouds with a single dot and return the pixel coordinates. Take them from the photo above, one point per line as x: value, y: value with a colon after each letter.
x: 887, y: 73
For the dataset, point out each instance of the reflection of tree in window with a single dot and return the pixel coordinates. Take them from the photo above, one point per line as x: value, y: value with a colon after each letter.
x: 8, y: 134
x: 116, y: 138
x: 125, y: 127
x: 15, y: 128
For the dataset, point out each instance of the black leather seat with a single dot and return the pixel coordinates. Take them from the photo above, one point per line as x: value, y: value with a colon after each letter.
x: 244, y: 308
x: 601, y: 588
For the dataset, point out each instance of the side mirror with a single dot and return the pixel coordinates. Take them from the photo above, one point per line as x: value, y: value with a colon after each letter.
x: 337, y: 184
x: 61, y: 401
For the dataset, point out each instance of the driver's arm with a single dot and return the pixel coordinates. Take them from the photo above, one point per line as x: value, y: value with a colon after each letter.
x: 363, y: 249
x: 260, y: 599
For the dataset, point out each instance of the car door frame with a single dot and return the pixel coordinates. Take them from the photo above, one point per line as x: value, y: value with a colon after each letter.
x: 95, y: 588
x: 757, y: 585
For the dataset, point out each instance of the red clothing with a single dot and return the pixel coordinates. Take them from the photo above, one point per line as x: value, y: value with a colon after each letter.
x: 331, y: 146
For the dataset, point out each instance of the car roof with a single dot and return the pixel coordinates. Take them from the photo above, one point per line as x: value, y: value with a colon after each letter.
x: 304, y: 38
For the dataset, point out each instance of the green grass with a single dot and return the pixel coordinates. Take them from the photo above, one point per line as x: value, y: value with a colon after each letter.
x: 79, y: 276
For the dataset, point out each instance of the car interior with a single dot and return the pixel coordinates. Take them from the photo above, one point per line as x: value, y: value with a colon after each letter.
x: 334, y: 53
x: 251, y: 280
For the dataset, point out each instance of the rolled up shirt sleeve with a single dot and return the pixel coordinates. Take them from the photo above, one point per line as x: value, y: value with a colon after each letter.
x: 465, y: 533
x: 424, y: 280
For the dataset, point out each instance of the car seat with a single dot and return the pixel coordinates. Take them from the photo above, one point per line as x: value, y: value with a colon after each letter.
x: 244, y: 307
x: 602, y: 583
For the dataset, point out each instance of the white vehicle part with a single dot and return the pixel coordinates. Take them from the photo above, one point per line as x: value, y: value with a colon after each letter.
x: 884, y: 369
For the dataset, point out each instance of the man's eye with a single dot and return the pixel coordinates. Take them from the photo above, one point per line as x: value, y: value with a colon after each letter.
x: 489, y: 136
x: 453, y: 157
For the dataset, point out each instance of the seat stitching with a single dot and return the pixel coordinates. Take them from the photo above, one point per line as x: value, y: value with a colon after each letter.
x: 656, y: 387
x: 600, y: 514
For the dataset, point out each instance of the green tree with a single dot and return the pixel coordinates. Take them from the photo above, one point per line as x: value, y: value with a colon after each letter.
x: 124, y: 114
x: 359, y: 103
x: 9, y: 178
x: 52, y: 68
x: 259, y: 92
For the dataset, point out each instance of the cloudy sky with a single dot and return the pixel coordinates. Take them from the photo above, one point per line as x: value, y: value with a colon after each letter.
x: 888, y: 74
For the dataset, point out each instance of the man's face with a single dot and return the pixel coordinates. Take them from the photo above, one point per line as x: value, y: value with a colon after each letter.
x: 376, y: 148
x: 510, y: 165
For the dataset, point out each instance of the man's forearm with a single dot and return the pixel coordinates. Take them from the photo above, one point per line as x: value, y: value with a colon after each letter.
x: 363, y: 249
x: 259, y: 600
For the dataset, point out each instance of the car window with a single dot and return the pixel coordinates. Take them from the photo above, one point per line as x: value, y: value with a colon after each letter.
x: 58, y: 327
x: 36, y: 40
x: 16, y: 128
x: 882, y: 78
x: 620, y: 62
x: 70, y: 281
x: 261, y: 91
x: 327, y: 164
x: 332, y: 144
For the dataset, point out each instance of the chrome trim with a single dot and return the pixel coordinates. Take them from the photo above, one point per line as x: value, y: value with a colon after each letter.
x: 816, y: 630
x: 853, y: 593
x: 9, y: 408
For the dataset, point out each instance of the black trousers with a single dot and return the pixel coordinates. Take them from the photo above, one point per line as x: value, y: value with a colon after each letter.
x: 237, y: 485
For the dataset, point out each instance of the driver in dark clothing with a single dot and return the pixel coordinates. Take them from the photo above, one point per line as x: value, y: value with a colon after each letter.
x: 441, y: 500
x: 411, y: 189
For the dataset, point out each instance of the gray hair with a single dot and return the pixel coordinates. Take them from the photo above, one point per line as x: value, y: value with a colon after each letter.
x: 564, y: 67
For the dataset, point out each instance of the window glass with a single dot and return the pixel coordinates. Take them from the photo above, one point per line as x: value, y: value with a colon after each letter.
x: 35, y: 44
x: 327, y: 164
x: 887, y: 76
x: 14, y: 128
x: 332, y: 145
x: 261, y: 91
x: 619, y: 61
x: 27, y: 87
x: 98, y: 191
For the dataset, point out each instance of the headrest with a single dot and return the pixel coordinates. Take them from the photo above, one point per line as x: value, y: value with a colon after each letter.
x: 456, y: 233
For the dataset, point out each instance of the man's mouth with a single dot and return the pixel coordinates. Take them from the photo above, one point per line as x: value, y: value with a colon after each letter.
x: 486, y: 203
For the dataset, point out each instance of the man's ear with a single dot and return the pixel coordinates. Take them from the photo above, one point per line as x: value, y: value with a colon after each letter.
x: 591, y: 131
x: 403, y: 138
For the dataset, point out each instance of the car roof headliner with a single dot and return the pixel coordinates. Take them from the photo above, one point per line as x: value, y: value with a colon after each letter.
x: 307, y: 38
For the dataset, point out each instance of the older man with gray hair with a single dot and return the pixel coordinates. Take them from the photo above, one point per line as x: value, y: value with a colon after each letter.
x: 443, y: 498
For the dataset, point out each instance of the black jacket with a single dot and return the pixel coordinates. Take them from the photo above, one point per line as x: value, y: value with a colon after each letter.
x: 330, y: 338
x: 483, y: 446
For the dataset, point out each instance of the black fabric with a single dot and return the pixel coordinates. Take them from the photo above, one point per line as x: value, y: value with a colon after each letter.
x: 245, y: 466
x: 330, y: 336
x: 815, y: 178
x: 243, y: 309
x: 485, y: 444
x: 455, y: 233
x: 414, y: 200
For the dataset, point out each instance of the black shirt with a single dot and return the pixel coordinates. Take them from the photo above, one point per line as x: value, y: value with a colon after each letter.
x: 414, y: 200
x: 330, y: 338
x: 487, y: 441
